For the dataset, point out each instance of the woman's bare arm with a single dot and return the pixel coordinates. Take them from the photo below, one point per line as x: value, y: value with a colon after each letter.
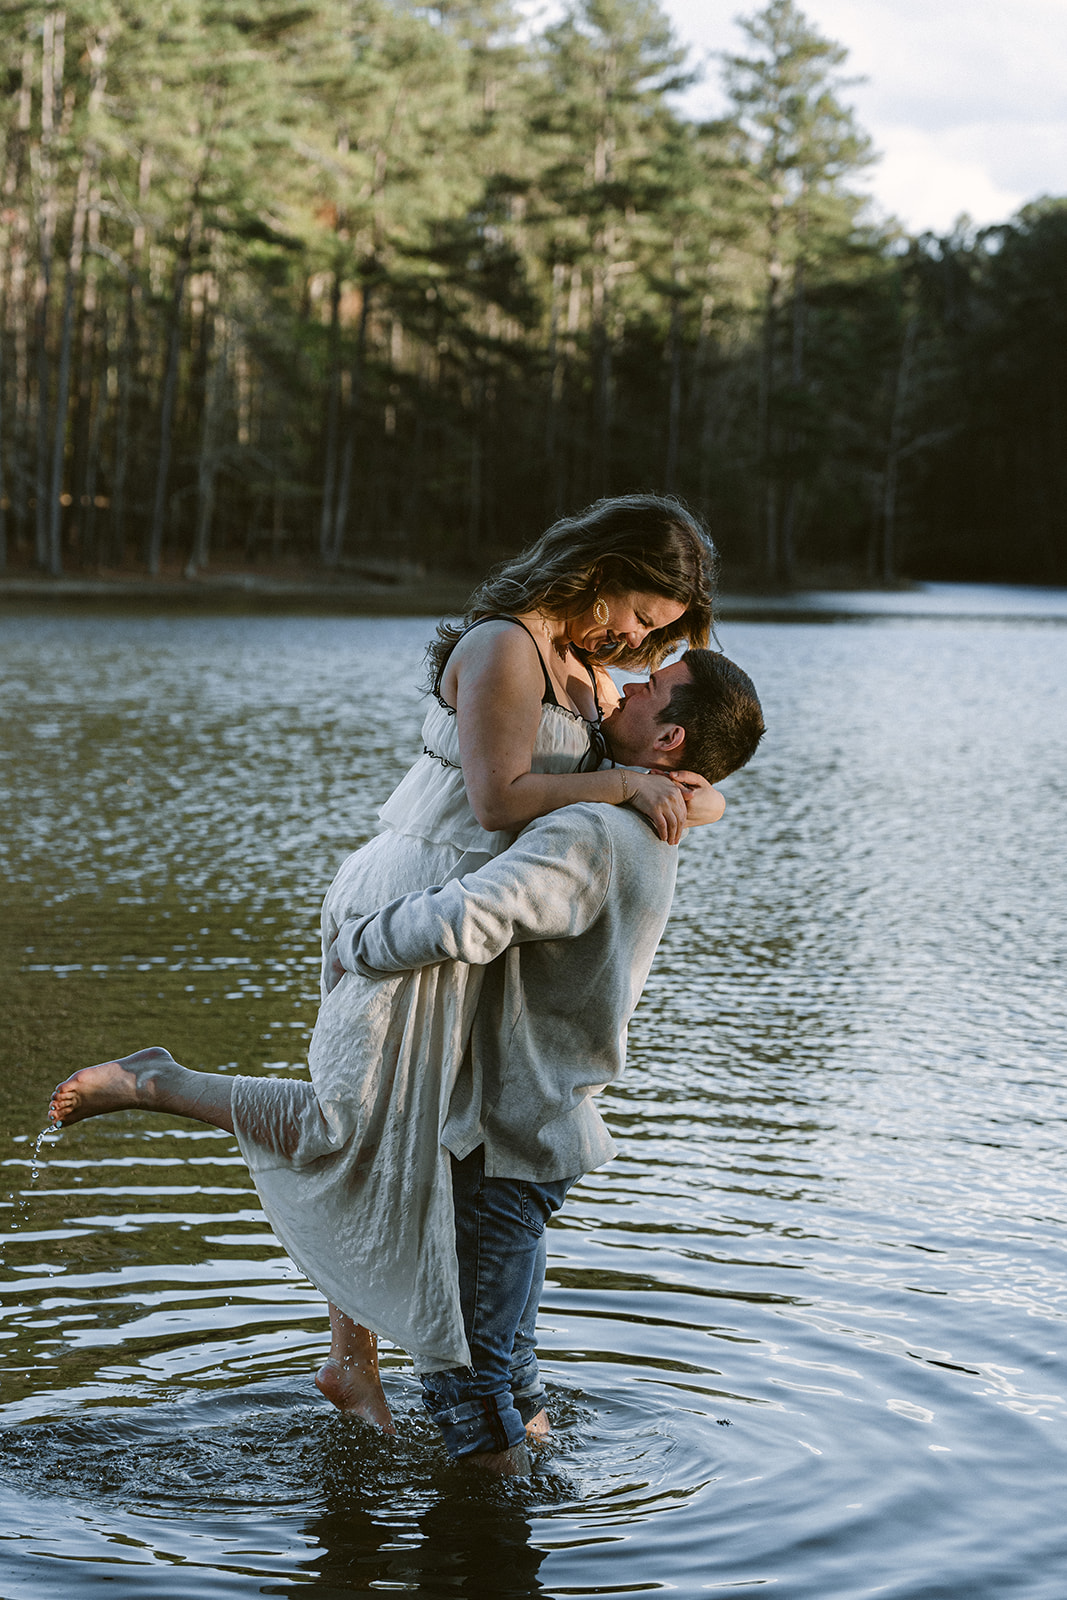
x: 496, y: 679
x: 703, y: 802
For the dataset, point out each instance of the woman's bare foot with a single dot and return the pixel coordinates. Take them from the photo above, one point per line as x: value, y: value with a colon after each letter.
x: 136, y: 1082
x: 349, y: 1375
x: 356, y: 1391
x: 149, y: 1080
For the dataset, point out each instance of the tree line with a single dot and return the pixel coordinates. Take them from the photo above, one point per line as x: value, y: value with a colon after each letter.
x: 351, y: 280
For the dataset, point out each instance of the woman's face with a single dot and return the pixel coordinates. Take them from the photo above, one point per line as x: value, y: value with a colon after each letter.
x: 632, y: 616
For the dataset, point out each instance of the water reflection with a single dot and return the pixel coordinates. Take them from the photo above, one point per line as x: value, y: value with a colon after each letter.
x: 806, y: 1330
x: 459, y: 1544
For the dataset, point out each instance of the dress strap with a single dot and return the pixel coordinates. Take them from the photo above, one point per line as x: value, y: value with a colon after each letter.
x: 549, y: 696
x: 587, y: 664
x: 596, y: 729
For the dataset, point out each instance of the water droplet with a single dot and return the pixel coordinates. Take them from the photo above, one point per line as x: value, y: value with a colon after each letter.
x: 54, y: 1126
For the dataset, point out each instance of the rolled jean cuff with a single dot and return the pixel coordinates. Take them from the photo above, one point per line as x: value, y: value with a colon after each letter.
x: 527, y: 1390
x: 489, y: 1422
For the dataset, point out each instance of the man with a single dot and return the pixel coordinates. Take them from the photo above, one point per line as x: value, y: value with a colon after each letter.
x: 566, y: 922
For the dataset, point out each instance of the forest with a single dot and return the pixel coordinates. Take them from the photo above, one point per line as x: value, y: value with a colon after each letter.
x: 307, y: 285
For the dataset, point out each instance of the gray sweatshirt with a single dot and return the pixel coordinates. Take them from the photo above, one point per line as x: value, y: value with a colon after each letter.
x: 567, y: 920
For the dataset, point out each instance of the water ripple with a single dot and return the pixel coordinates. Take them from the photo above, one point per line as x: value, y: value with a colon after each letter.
x: 806, y: 1332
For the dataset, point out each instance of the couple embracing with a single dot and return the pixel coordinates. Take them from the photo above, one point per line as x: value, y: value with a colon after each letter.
x: 481, y: 959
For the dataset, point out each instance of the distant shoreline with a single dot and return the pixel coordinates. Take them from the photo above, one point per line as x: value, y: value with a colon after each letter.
x: 429, y: 596
x: 418, y: 594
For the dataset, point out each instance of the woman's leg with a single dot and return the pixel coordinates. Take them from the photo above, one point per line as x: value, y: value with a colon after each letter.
x: 149, y: 1080
x: 349, y: 1375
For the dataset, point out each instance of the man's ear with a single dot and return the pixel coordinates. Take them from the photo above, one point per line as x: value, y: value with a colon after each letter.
x: 669, y: 739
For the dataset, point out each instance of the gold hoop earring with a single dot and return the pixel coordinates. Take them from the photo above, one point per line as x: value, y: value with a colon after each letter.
x: 601, y: 612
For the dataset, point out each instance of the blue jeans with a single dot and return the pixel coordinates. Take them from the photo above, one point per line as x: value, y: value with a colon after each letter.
x: 500, y: 1241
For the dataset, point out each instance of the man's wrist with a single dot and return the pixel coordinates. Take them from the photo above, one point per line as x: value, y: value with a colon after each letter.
x: 345, y: 948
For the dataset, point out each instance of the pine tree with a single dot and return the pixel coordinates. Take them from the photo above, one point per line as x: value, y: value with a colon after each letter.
x: 800, y: 144
x: 609, y: 64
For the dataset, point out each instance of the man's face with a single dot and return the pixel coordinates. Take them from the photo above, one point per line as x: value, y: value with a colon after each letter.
x: 635, y: 737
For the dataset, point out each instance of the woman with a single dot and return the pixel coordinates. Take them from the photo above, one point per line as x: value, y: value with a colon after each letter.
x: 350, y: 1171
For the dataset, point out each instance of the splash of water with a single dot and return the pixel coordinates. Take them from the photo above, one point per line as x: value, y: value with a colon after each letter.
x: 21, y: 1211
x: 54, y: 1126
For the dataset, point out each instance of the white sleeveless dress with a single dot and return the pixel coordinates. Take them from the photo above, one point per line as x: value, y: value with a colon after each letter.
x: 350, y: 1169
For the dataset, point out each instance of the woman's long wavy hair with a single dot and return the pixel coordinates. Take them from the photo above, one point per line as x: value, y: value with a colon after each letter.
x: 643, y: 542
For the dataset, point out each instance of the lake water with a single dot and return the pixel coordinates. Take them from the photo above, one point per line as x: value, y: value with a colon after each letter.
x: 806, y: 1334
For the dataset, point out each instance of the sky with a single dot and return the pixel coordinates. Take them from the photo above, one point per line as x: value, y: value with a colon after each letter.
x: 965, y: 100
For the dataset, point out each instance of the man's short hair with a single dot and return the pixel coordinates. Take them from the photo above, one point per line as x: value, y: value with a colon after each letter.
x: 720, y: 712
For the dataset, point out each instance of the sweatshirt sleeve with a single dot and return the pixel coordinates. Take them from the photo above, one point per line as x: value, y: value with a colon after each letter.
x: 550, y: 884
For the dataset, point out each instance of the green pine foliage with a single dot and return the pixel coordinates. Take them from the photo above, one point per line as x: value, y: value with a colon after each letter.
x: 334, y: 283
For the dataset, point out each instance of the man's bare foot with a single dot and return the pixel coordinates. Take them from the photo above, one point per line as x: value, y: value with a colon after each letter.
x: 512, y: 1463
x: 538, y: 1429
x: 131, y: 1083
x: 356, y: 1390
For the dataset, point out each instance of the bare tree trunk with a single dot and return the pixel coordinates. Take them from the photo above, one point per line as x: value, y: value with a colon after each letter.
x: 8, y: 221
x: 768, y: 354
x: 89, y: 382
x: 333, y: 406
x: 475, y: 479
x: 59, y: 441
x: 787, y: 541
x: 564, y: 366
x: 555, y: 392
x: 170, y: 390
x: 207, y: 469
x: 127, y: 371
x: 601, y: 368
x: 126, y: 365
x: 83, y: 409
x: 20, y: 409
x: 21, y: 421
x: 277, y: 524
x: 412, y: 498
x: 787, y: 538
x: 344, y: 488
x: 707, y: 421
x: 894, y: 449
x: 3, y: 414
x: 52, y: 58
x: 92, y: 449
x: 607, y: 403
x: 674, y: 396
x: 344, y: 483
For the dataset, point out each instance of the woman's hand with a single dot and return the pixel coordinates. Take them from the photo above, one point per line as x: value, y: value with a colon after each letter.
x: 703, y: 803
x: 661, y: 801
